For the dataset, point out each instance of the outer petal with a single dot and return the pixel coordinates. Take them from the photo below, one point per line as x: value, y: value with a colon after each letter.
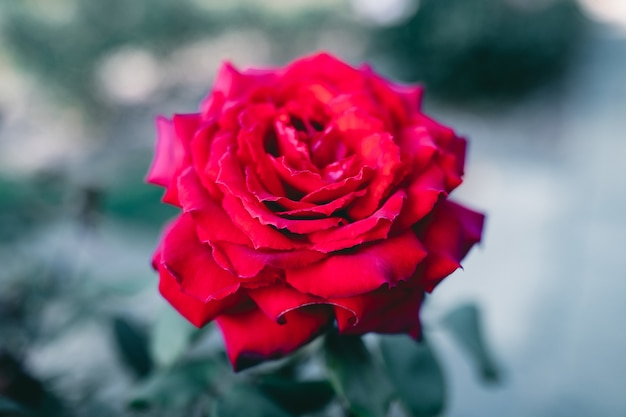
x: 197, y: 312
x: 251, y: 337
x: 212, y: 222
x: 385, y: 262
x: 400, y: 101
x: 169, y: 159
x: 192, y: 264
x: 231, y: 83
x: 277, y: 300
x: 448, y: 236
x: 323, y: 68
x: 417, y: 147
x: 168, y: 155
x: 384, y: 311
x: 423, y: 193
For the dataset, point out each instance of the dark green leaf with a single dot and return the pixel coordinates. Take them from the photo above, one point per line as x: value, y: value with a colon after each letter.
x: 132, y: 345
x: 246, y: 400
x: 179, y: 385
x: 9, y: 408
x: 415, y: 373
x: 297, y: 397
x: 358, y: 381
x: 465, y: 324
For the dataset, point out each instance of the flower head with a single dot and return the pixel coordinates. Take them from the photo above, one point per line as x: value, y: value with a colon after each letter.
x: 310, y: 195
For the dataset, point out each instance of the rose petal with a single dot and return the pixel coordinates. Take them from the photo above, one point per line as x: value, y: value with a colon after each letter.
x: 423, y: 193
x: 384, y: 311
x: 452, y: 156
x: 298, y: 208
x: 289, y: 146
x: 417, y: 147
x: 374, y: 227
x: 253, y: 141
x: 361, y: 100
x: 247, y: 262
x: 378, y: 150
x: 261, y: 236
x: 197, y: 312
x: 448, y: 236
x: 232, y: 83
x: 345, y: 275
x: 186, y: 126
x: 277, y: 300
x: 321, y: 68
x: 169, y: 158
x: 303, y: 181
x: 453, y: 229
x: 322, y: 210
x: 232, y: 181
x: 452, y: 163
x: 207, y: 146
x: 168, y: 155
x: 212, y: 222
x: 399, y: 101
x: 192, y: 264
x: 251, y: 337
x: 337, y: 189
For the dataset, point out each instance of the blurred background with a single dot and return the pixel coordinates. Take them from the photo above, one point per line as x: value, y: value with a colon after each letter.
x: 539, y: 87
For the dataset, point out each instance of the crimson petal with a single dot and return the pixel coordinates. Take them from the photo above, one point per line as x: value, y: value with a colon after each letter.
x: 277, y: 300
x: 423, y: 193
x: 384, y: 311
x: 251, y: 337
x: 169, y: 158
x: 212, y: 222
x: 299, y: 208
x: 337, y: 189
x: 324, y: 69
x: 232, y: 181
x: 197, y: 312
x: 192, y: 264
x: 378, y: 150
x: 345, y: 275
x: 247, y: 262
x: 374, y: 227
x: 448, y: 236
x: 262, y: 236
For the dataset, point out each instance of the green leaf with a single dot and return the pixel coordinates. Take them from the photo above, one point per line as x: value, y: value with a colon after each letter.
x: 297, y: 397
x: 465, y: 324
x: 171, y: 335
x: 132, y: 345
x: 8, y: 408
x: 246, y: 400
x: 361, y: 385
x: 177, y: 386
x: 416, y: 375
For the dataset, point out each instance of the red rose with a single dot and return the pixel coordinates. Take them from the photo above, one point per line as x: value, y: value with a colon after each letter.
x: 311, y: 195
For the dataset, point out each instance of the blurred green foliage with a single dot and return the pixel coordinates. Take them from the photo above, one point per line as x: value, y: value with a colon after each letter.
x: 66, y: 54
x: 483, y: 49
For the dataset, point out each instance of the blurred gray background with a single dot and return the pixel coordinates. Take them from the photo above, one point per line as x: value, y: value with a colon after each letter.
x: 538, y: 86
